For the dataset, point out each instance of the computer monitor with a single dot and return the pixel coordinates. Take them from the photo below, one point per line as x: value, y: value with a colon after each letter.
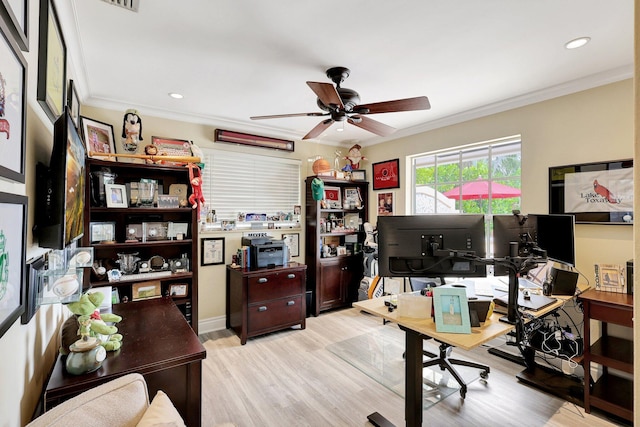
x: 513, y: 235
x: 556, y: 235
x: 439, y: 245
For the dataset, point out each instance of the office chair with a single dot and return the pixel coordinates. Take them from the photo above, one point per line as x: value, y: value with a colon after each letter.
x: 445, y: 362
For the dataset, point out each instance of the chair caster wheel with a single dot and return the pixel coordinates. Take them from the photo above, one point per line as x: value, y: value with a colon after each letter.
x: 463, y: 392
x: 484, y: 375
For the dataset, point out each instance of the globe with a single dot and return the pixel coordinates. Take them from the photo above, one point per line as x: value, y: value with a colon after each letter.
x: 321, y: 165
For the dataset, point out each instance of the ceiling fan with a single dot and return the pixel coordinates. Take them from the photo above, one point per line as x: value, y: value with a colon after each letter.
x: 341, y: 104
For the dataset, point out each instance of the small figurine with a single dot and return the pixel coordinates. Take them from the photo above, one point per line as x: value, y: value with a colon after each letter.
x: 196, y: 199
x: 355, y: 157
x: 131, y: 130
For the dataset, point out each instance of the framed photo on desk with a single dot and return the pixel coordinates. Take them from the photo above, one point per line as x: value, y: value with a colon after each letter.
x: 451, y: 310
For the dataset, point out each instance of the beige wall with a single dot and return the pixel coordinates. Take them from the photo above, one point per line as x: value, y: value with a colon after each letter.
x: 588, y: 126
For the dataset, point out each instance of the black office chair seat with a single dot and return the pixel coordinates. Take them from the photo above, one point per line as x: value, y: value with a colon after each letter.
x: 445, y: 362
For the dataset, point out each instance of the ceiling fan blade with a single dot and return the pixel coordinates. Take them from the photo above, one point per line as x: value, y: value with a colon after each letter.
x: 371, y: 125
x: 278, y: 116
x: 327, y: 94
x: 320, y: 127
x: 408, y: 104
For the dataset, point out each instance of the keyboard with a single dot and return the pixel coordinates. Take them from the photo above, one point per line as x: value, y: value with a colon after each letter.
x: 146, y: 276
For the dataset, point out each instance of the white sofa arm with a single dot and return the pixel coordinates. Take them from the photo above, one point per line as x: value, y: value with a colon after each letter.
x: 121, y: 402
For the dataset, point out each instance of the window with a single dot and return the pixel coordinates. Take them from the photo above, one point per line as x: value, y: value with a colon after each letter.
x: 482, y: 178
x: 237, y: 182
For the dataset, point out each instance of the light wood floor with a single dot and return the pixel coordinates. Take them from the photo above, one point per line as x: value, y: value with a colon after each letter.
x: 289, y: 378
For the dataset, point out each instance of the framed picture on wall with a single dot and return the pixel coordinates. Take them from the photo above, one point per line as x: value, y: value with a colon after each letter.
x: 599, y: 192
x: 52, y: 62
x: 13, y: 236
x: 386, y: 174
x: 13, y: 74
x: 212, y: 251
x: 16, y: 14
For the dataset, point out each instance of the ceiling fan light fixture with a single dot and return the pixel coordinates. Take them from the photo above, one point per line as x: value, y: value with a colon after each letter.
x: 576, y: 43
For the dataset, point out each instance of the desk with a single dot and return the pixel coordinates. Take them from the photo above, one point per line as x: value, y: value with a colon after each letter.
x: 159, y: 344
x: 416, y: 330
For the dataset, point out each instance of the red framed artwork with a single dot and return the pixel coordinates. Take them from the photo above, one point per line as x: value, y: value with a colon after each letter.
x: 386, y: 174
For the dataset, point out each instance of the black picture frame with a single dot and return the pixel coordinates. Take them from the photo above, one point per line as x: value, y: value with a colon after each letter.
x: 557, y: 191
x: 13, y: 80
x: 73, y: 102
x: 212, y: 251
x: 13, y: 235
x: 17, y: 22
x: 32, y: 291
x: 52, y: 63
x: 386, y: 175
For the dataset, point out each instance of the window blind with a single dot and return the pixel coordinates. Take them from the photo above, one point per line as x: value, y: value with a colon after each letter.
x: 236, y: 182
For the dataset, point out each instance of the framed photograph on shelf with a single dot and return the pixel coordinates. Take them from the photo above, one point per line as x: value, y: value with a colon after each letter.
x: 386, y: 174
x: 52, y: 62
x: 16, y: 14
x: 116, y: 195
x: 212, y: 251
x: 292, y: 240
x: 98, y: 138
x: 144, y: 290
x: 358, y: 175
x: 13, y: 117
x: 172, y: 147
x: 333, y: 197
x: 13, y: 235
x: 610, y: 278
x: 179, y: 290
x: 385, y: 204
x: 451, y: 310
x: 102, y: 232
x: 73, y: 102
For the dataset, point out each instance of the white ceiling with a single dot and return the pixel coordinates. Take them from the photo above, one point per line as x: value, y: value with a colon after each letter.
x: 232, y: 59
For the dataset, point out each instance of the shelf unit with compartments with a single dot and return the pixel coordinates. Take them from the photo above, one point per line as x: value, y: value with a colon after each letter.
x: 334, y: 242
x: 152, y: 249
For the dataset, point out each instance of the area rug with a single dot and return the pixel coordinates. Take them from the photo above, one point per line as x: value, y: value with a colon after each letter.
x: 379, y: 355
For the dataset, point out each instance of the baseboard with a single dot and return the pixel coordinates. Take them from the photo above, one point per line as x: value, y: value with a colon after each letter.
x: 212, y: 324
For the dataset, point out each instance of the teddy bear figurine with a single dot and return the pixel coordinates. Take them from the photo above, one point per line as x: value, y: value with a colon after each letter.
x: 87, y: 321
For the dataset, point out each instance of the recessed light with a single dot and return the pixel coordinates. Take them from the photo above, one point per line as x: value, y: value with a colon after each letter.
x: 576, y: 43
x: 175, y: 95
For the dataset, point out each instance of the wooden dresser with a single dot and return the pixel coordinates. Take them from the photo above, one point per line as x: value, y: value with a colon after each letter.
x: 610, y: 392
x: 265, y: 300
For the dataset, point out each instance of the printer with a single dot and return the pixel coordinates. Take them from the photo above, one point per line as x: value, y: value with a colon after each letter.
x: 266, y: 252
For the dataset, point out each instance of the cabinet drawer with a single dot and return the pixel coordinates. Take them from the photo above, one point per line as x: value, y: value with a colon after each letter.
x: 605, y: 313
x: 275, y: 313
x: 276, y: 285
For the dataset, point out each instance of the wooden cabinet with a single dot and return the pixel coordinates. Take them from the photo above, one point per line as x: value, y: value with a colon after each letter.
x: 161, y: 242
x: 334, y: 241
x: 266, y: 299
x: 611, y: 392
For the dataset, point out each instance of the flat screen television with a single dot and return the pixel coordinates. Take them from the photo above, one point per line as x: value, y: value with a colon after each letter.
x: 441, y: 245
x: 60, y: 188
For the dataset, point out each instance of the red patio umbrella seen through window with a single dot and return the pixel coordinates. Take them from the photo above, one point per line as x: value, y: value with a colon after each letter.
x: 479, y: 189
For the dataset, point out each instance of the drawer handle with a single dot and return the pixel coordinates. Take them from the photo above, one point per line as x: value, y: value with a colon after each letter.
x: 262, y: 308
x: 291, y: 302
x: 262, y: 280
x: 291, y: 276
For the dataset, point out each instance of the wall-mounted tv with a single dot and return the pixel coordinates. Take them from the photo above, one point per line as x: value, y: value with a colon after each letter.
x: 60, y: 188
x: 600, y: 192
